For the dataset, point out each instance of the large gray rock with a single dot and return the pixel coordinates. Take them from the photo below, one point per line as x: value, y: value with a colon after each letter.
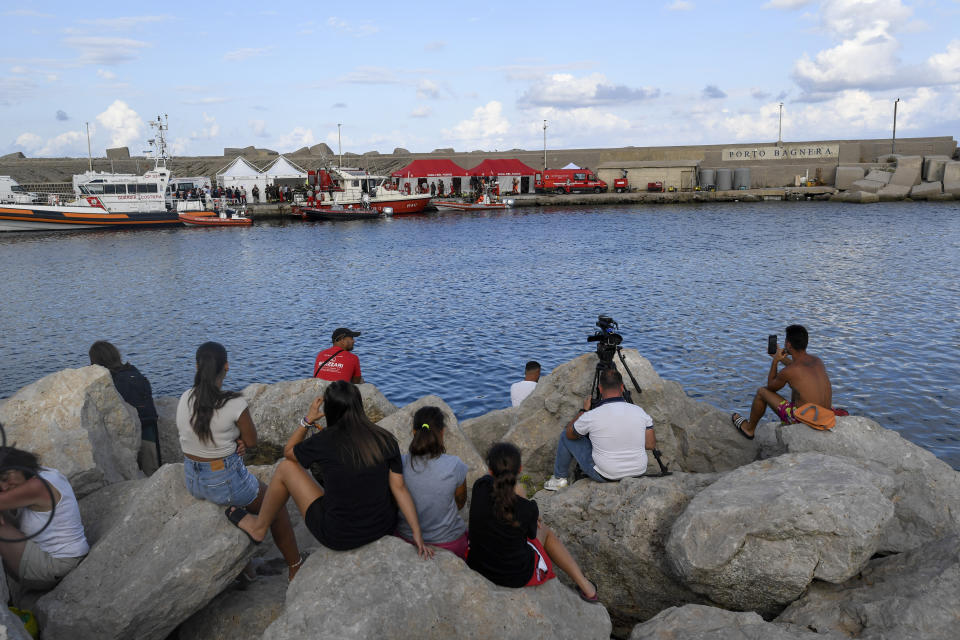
x: 697, y: 622
x: 400, y: 424
x: 75, y: 421
x: 165, y: 557
x: 951, y: 172
x: 241, y: 614
x: 756, y: 538
x: 926, y: 190
x: 170, y: 450
x: 491, y: 427
x: 617, y: 532
x: 952, y: 188
x: 846, y: 176
x: 909, y: 595
x: 867, y: 186
x: 277, y: 408
x: 879, y: 175
x: 909, y: 171
x: 382, y: 590
x: 861, y: 196
x: 893, y: 192
x: 926, y: 490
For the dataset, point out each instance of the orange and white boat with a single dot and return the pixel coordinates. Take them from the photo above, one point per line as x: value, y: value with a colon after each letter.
x: 209, y: 219
x: 484, y: 203
x: 358, y: 188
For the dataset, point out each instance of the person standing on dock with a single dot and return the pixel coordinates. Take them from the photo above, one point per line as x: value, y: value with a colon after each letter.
x: 338, y: 362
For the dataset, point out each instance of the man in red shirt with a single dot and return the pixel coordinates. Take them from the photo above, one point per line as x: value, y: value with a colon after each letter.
x: 337, y: 362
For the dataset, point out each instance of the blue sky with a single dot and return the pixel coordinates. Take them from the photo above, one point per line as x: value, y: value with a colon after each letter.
x: 425, y: 75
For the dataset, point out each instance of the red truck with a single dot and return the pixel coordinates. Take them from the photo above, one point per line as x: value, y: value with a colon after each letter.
x: 568, y: 181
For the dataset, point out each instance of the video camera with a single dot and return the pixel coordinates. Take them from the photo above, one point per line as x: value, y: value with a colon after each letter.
x: 607, y: 338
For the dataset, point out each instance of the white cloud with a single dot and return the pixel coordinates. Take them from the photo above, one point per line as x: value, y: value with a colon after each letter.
x: 29, y: 141
x: 299, y: 137
x: 28, y: 13
x: 427, y: 89
x: 680, y: 5
x: 123, y: 23
x: 259, y: 128
x: 577, y: 126
x: 210, y: 129
x: 421, y: 112
x: 104, y: 50
x: 106, y: 75
x: 73, y: 143
x: 849, y: 17
x: 356, y: 30
x: 564, y: 90
x: 122, y: 123
x: 487, y: 127
x: 238, y: 55
x: 786, y: 4
x: 368, y: 75
x: 946, y: 65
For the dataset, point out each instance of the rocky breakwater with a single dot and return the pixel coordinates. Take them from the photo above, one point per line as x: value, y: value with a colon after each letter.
x: 900, y: 177
x: 849, y: 533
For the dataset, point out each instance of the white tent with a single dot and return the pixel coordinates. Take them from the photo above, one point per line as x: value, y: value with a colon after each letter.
x: 283, y: 168
x: 571, y: 166
x: 241, y: 174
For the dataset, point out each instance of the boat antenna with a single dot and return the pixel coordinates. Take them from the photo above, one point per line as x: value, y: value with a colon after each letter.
x: 89, y: 153
x: 159, y: 143
x: 339, y: 146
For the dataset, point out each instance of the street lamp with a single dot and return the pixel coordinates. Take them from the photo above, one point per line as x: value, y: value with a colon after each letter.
x: 339, y: 146
x: 544, y: 145
x: 780, y: 129
x: 893, y: 142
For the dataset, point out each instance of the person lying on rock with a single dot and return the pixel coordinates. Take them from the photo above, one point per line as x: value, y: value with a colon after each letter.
x: 54, y: 549
x: 609, y: 442
x: 438, y: 483
x: 215, y: 431
x: 135, y: 390
x: 509, y: 546
x: 806, y: 375
x: 362, y: 477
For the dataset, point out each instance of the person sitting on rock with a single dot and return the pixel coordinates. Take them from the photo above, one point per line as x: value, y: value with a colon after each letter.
x: 215, y: 430
x: 520, y: 390
x: 509, y: 545
x: 609, y: 442
x: 806, y: 375
x: 53, y: 550
x: 339, y: 362
x: 438, y: 483
x: 362, y: 473
x: 135, y: 390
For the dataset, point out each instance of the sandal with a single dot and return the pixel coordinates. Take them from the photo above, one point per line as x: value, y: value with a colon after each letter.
x: 592, y: 600
x: 738, y: 421
x: 235, y: 515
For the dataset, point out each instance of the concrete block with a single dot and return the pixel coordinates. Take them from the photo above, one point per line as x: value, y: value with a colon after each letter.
x: 953, y: 188
x: 933, y: 168
x: 118, y: 153
x: 860, y: 197
x: 951, y: 172
x: 909, y: 170
x: 846, y: 176
x: 870, y: 186
x: 893, y: 192
x: 926, y: 189
x: 878, y: 175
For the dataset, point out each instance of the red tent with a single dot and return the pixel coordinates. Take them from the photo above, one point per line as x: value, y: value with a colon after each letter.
x: 440, y: 168
x: 501, y: 167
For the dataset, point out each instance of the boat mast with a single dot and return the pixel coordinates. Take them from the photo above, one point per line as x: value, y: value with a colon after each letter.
x: 89, y: 153
x: 159, y: 143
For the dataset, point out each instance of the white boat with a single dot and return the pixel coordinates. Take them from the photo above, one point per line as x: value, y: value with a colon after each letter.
x: 356, y: 187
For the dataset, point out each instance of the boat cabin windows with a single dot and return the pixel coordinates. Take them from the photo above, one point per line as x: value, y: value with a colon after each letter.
x: 120, y: 189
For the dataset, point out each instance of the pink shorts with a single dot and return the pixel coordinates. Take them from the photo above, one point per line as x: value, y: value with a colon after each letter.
x: 785, y: 411
x: 457, y: 547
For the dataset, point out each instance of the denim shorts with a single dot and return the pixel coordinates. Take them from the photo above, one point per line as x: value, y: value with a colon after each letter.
x: 231, y: 485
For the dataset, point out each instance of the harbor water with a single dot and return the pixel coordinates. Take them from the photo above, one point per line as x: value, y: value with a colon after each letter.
x: 455, y: 304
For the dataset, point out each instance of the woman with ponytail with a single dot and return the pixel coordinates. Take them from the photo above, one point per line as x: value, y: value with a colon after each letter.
x: 362, y: 477
x: 438, y: 484
x: 508, y: 543
x: 215, y: 430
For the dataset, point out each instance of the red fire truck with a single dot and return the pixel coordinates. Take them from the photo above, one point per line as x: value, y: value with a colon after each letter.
x: 568, y: 181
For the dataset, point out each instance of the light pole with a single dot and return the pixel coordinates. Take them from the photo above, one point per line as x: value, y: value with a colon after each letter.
x: 893, y: 142
x: 339, y: 146
x: 780, y: 128
x: 544, y: 145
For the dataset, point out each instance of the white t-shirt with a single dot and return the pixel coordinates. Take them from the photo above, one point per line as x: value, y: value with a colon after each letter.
x: 618, y: 434
x: 64, y: 538
x: 223, y: 427
x: 520, y: 390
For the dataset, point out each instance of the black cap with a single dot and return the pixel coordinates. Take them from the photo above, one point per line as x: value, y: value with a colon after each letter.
x: 343, y: 332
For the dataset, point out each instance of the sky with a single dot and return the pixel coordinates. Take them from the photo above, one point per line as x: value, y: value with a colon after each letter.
x: 473, y: 76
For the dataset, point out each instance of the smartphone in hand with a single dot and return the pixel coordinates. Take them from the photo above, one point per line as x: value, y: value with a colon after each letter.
x: 771, y: 345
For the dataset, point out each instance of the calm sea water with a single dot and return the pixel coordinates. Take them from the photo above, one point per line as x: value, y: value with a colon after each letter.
x: 455, y: 304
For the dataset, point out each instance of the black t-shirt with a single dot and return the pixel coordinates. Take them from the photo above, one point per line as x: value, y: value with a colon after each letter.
x: 357, y: 506
x: 499, y: 550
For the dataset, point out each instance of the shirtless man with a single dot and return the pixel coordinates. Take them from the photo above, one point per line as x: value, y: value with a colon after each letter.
x: 806, y: 376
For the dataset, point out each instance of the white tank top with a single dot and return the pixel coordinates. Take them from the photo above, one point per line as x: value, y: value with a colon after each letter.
x: 64, y: 538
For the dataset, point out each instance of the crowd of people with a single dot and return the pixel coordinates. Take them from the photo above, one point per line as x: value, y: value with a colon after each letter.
x: 349, y: 479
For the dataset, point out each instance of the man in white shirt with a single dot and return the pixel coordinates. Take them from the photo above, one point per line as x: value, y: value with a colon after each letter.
x: 520, y: 390
x: 609, y: 441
